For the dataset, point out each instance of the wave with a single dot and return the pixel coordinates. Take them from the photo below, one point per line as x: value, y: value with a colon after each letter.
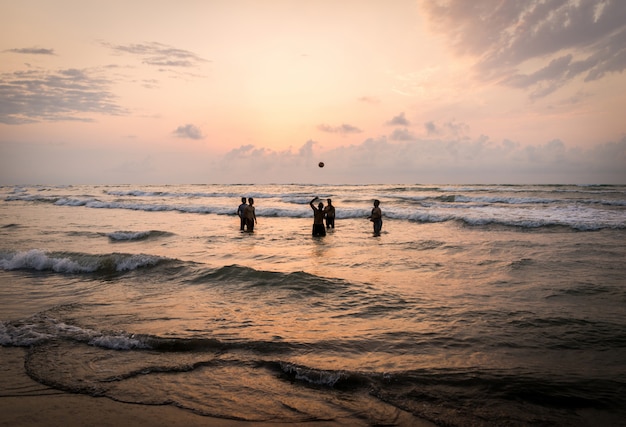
x: 572, y: 217
x: 577, y: 217
x: 76, y: 263
x: 122, y: 236
x: 192, y: 195
x: 506, y: 209
x: 339, y: 379
x: 534, y: 200
x: 538, y: 188
x: 42, y: 328
x: 147, y: 207
x: 249, y: 282
x: 497, y: 195
x: 186, y: 195
x: 304, y: 284
x: 147, y: 369
x: 500, y: 199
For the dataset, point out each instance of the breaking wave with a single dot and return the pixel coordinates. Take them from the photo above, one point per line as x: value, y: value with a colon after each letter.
x: 76, y: 263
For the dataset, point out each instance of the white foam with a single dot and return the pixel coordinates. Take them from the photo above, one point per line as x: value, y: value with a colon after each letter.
x: 72, y: 202
x: 523, y: 206
x: 118, y: 342
x: 128, y: 235
x: 41, y: 328
x: 23, y: 336
x: 38, y: 260
x: 133, y: 262
x: 312, y: 376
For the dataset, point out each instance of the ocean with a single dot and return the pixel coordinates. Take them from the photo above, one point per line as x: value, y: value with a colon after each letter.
x: 478, y: 305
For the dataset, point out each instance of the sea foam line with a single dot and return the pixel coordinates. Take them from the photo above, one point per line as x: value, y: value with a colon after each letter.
x: 578, y: 215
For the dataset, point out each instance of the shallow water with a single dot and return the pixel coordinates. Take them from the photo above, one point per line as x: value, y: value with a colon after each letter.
x: 481, y: 305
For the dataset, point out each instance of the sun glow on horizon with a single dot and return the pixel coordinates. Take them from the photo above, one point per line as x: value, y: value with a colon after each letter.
x: 406, y: 80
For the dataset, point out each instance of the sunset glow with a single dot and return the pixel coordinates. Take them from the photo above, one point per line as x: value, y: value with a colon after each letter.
x: 248, y: 91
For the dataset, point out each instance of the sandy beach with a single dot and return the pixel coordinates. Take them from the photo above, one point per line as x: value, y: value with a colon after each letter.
x: 25, y: 402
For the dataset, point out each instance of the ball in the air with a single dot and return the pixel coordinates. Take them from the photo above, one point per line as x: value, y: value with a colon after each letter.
x: 321, y: 164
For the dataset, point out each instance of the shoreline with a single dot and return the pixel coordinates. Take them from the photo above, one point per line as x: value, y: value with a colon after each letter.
x: 25, y: 402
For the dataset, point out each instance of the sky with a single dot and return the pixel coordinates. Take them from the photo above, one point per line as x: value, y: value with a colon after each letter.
x: 248, y: 91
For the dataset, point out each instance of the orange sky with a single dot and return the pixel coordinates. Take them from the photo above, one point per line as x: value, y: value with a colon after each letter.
x: 247, y: 91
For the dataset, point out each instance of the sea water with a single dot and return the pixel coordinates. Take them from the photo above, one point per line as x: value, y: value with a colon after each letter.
x: 481, y: 305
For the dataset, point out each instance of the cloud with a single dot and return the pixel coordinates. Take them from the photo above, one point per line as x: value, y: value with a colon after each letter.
x: 32, y: 51
x: 544, y: 81
x: 188, y: 131
x: 307, y: 149
x: 375, y: 160
x: 398, y: 120
x: 248, y: 164
x: 402, y: 135
x: 534, y: 45
x: 343, y: 130
x: 451, y: 129
x: 267, y: 165
x: 429, y: 160
x: 161, y: 55
x: 150, y: 83
x: 479, y: 160
x: 60, y: 95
